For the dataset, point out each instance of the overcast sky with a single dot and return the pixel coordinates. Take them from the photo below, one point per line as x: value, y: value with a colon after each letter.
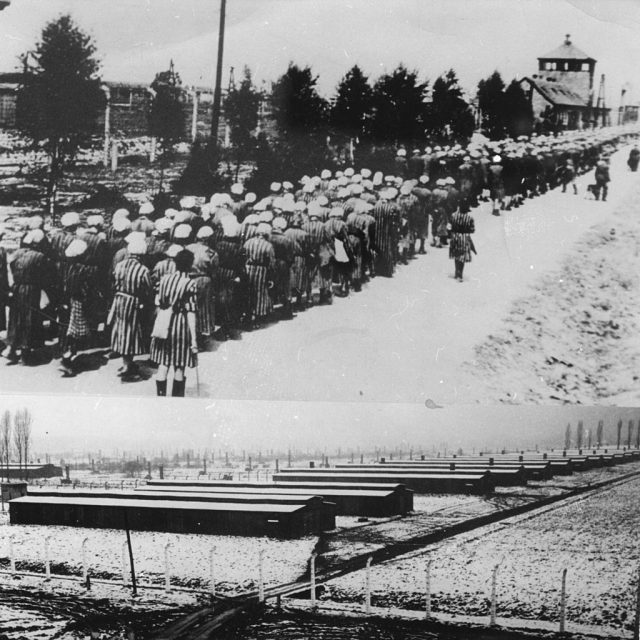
x: 136, y: 38
x: 85, y: 423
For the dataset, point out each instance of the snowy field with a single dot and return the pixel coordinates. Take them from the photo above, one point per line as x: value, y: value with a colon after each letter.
x: 235, y: 560
x: 594, y: 538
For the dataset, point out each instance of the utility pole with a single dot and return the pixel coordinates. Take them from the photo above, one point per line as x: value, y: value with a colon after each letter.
x: 217, y: 96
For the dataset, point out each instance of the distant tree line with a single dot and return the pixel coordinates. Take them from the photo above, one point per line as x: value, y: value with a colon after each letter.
x: 15, y: 439
x: 363, y: 122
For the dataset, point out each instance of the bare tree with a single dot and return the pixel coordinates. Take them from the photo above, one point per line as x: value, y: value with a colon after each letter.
x: 22, y: 421
x: 567, y: 437
x: 619, y: 432
x: 599, y: 433
x: 5, y: 438
x: 579, y: 434
x: 629, y: 434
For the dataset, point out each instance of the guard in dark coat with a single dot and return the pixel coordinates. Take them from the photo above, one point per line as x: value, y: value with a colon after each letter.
x: 634, y: 158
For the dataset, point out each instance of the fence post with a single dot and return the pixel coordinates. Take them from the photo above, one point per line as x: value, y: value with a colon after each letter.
x: 427, y: 591
x: 312, y: 571
x: 563, y: 601
x: 12, y: 558
x: 494, y: 576
x: 636, y: 626
x: 367, y: 595
x: 167, y: 576
x: 261, y: 576
x: 47, y: 561
x: 125, y: 553
x: 85, y: 569
x: 212, y: 577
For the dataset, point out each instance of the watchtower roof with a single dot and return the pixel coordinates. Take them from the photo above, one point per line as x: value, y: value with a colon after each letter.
x: 567, y: 51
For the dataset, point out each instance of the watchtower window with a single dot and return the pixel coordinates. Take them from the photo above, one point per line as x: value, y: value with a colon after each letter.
x: 585, y: 66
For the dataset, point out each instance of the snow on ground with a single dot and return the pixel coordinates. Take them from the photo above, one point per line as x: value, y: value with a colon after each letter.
x: 235, y: 559
x: 575, y: 338
x: 593, y: 537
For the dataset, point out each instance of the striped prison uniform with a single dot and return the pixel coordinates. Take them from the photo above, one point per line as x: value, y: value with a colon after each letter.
x: 231, y: 282
x: 462, y: 225
x: 387, y: 217
x: 299, y: 268
x: 205, y: 265
x: 260, y: 260
x: 178, y: 292
x: 32, y: 274
x: 130, y: 310
x: 320, y: 271
x: 283, y: 249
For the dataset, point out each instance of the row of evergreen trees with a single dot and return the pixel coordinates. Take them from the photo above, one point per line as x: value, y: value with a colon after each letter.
x: 60, y: 98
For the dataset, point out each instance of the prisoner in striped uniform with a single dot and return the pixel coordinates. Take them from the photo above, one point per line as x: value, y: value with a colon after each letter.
x: 321, y: 253
x: 203, y: 273
x: 79, y: 283
x: 179, y: 349
x: 283, y: 248
x: 387, y: 217
x: 461, y: 246
x: 260, y: 261
x: 130, y: 310
x: 338, y: 233
x: 33, y: 273
x: 299, y: 267
x: 231, y: 280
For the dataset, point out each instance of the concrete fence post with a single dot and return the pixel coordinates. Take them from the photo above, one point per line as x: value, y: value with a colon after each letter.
x: 494, y: 577
x: 427, y: 591
x: 261, y: 576
x: 47, y: 558
x: 12, y: 557
x: 167, y: 568
x: 85, y: 567
x: 125, y: 559
x: 312, y: 571
x: 212, y: 575
x: 636, y: 624
x: 367, y: 594
x: 563, y: 602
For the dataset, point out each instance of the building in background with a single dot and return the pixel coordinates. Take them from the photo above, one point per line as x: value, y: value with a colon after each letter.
x: 562, y: 91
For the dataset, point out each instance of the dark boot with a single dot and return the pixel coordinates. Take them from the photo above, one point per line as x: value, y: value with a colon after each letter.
x: 461, y: 270
x: 178, y: 388
x: 161, y: 387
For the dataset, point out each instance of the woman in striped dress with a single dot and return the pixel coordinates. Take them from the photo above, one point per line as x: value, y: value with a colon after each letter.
x: 79, y: 282
x: 32, y: 273
x: 260, y: 260
x: 180, y: 348
x: 299, y: 267
x: 387, y: 217
x: 129, y: 315
x: 203, y: 274
x: 231, y: 279
x: 461, y: 246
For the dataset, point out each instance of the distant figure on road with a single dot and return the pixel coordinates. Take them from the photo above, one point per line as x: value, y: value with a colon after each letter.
x: 461, y: 245
x: 568, y: 177
x: 634, y: 158
x: 496, y: 184
x: 602, y: 180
